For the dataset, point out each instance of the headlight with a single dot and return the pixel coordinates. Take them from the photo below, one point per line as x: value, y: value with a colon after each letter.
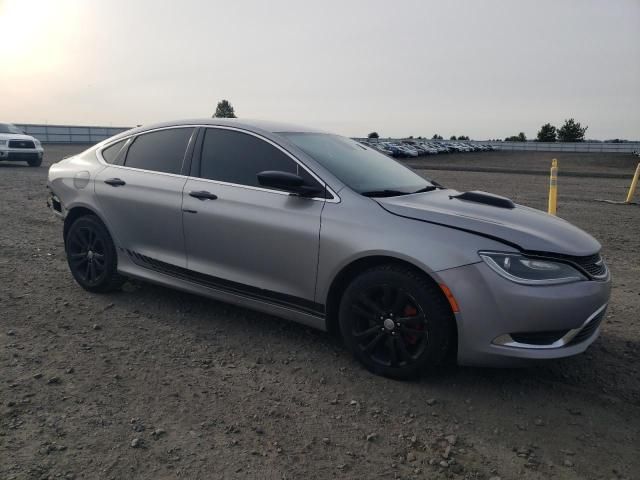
x: 3, y: 142
x: 37, y: 142
x: 530, y: 271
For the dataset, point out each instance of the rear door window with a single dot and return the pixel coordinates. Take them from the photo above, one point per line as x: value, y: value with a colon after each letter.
x: 160, y: 151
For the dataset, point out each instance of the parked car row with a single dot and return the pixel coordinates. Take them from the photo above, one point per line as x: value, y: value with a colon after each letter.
x: 414, y: 148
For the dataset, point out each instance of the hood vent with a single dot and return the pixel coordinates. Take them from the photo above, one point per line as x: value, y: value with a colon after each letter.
x: 485, y: 198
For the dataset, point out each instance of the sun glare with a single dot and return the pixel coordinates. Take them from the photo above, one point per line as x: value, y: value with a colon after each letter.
x: 25, y: 28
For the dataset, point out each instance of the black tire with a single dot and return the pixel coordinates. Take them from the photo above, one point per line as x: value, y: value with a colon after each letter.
x: 35, y: 163
x: 395, y: 346
x: 92, y: 256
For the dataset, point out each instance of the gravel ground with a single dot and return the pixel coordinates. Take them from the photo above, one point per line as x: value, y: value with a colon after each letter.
x: 154, y: 383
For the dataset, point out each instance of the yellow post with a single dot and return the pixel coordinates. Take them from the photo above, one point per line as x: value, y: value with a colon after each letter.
x: 553, y: 188
x: 634, y: 184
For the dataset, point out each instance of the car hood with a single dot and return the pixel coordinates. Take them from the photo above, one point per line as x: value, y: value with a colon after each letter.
x: 14, y: 136
x: 525, y: 227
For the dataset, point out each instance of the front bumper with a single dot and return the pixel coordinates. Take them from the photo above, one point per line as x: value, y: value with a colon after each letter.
x: 56, y: 206
x: 502, y: 323
x: 21, y: 154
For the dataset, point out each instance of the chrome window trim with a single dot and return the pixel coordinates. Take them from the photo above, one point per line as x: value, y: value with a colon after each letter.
x: 507, y: 340
x: 335, y: 199
x: 249, y: 187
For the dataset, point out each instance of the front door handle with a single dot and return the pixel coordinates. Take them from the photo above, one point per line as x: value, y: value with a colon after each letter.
x: 115, y: 182
x: 202, y: 195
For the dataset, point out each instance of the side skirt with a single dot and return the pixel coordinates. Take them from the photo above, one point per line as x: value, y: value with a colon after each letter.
x: 273, y: 303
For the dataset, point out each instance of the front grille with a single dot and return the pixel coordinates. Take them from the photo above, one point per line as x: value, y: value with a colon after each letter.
x: 21, y: 144
x: 592, y: 264
x: 588, y: 330
x: 23, y: 156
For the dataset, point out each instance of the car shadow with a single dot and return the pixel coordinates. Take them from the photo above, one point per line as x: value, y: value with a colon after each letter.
x: 203, y: 317
x: 4, y: 164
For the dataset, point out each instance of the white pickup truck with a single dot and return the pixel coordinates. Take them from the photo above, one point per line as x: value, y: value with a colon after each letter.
x: 15, y: 145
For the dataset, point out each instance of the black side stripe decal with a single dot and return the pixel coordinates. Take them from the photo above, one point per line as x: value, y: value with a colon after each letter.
x: 269, y: 296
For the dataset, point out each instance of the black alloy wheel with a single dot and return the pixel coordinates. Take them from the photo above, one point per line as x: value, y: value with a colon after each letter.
x: 389, y: 326
x: 91, y: 255
x: 36, y: 162
x: 396, y: 321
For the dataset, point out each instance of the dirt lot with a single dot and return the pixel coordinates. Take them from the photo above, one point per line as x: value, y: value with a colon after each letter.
x: 153, y: 383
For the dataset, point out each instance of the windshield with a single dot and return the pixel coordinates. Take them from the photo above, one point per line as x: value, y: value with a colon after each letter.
x: 8, y: 128
x: 361, y: 168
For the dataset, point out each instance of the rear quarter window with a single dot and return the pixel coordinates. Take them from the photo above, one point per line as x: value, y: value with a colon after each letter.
x: 112, y: 152
x: 159, y: 151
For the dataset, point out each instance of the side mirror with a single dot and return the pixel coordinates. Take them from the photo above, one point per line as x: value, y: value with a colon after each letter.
x: 289, y: 182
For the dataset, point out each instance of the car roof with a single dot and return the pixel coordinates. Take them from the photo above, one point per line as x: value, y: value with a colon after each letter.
x: 246, y: 124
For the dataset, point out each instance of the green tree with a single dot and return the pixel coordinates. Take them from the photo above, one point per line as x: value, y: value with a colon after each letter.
x: 436, y: 137
x: 521, y: 137
x: 463, y: 137
x: 224, y: 110
x: 547, y: 133
x: 453, y: 137
x: 571, y: 131
x: 373, y: 135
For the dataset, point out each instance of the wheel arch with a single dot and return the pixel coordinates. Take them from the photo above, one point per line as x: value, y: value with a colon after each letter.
x: 76, y: 212
x: 108, y: 279
x: 355, y: 268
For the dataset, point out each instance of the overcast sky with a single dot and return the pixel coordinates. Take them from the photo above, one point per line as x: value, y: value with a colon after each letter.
x: 481, y: 68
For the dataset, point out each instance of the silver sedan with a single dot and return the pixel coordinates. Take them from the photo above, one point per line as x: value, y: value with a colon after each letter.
x: 322, y: 230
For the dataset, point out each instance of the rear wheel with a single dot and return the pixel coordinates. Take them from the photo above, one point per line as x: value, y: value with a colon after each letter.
x: 396, y: 321
x: 91, y: 255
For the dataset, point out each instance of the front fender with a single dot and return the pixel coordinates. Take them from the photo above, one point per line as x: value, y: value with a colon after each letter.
x: 351, y: 233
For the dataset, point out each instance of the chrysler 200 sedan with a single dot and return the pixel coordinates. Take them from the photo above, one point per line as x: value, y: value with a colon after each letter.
x: 321, y: 230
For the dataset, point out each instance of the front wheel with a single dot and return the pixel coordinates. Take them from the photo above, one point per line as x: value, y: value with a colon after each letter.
x: 92, y: 256
x: 35, y: 162
x: 396, y: 321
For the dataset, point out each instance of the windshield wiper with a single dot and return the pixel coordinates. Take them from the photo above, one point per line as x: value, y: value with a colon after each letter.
x: 430, y: 188
x: 396, y: 193
x: 384, y: 193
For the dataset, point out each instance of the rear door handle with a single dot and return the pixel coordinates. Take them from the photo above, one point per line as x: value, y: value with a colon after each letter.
x: 115, y: 182
x: 202, y: 195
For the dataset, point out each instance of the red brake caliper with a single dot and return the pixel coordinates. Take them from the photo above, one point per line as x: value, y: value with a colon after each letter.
x: 410, y: 311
